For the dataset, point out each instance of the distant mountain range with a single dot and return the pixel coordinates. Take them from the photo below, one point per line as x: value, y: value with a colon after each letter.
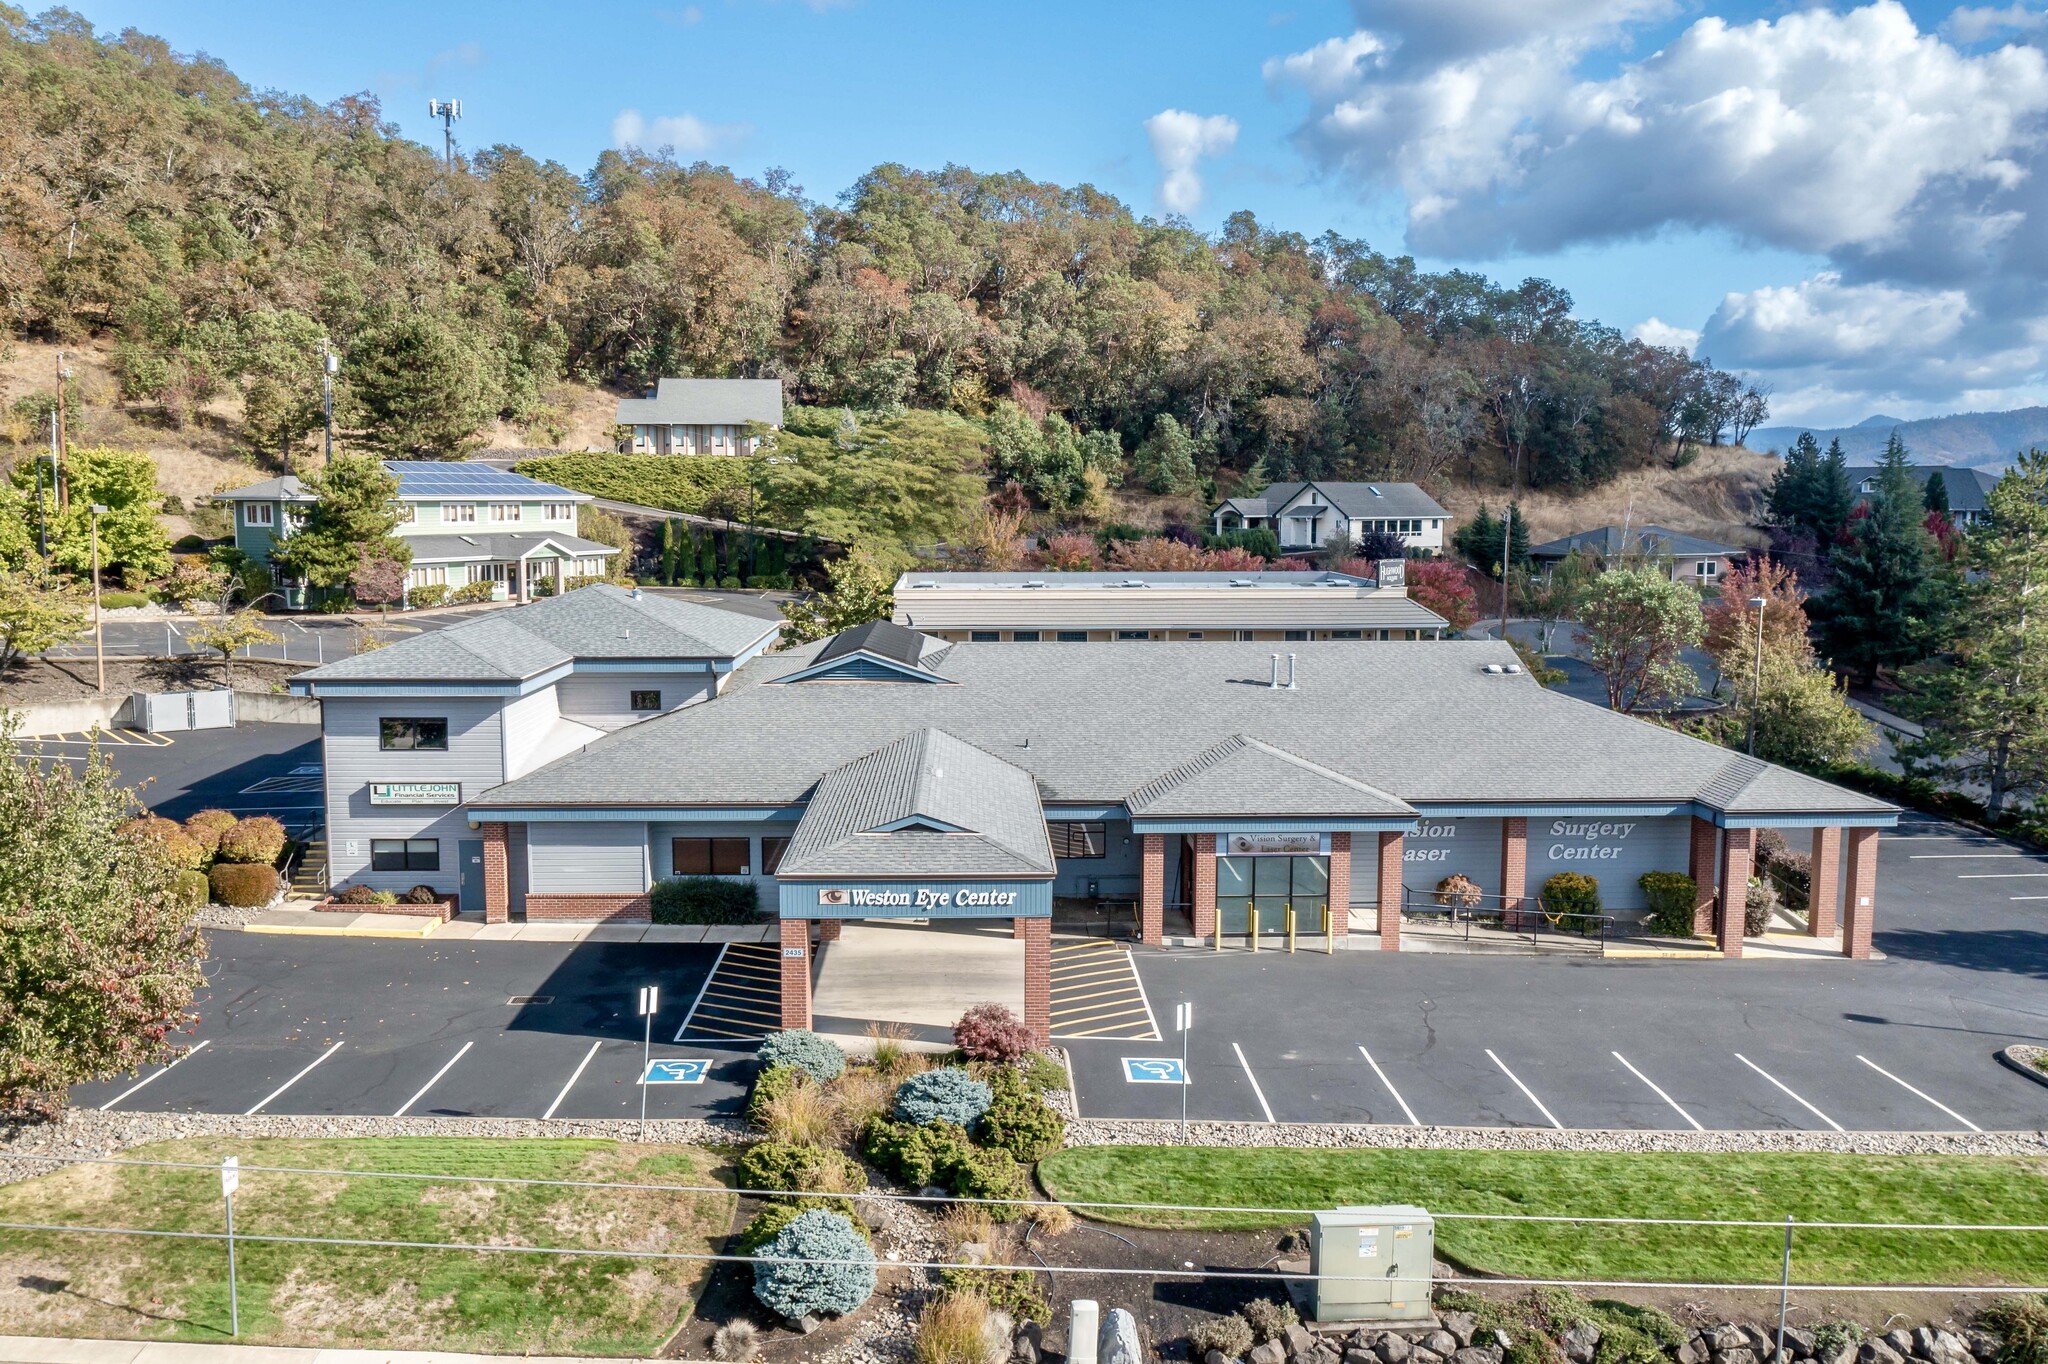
x: 1985, y: 440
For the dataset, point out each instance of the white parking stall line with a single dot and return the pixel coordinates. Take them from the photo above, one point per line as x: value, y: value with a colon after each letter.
x: 1526, y: 1090
x: 574, y: 1076
x: 1655, y: 1089
x: 436, y: 1080
x: 2027, y: 897
x: 1962, y: 857
x: 709, y: 976
x: 1919, y: 1093
x: 1788, y: 1091
x: 261, y: 1103
x: 1413, y: 1121
x: 196, y: 1048
x: 1264, y: 1107
x: 2002, y: 875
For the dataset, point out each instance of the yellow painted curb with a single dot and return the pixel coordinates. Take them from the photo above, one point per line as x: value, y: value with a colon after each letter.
x: 312, y: 931
x: 1661, y: 954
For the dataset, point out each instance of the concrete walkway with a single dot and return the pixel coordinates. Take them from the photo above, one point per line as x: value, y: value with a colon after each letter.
x: 919, y: 978
x: 39, y: 1350
x: 331, y: 924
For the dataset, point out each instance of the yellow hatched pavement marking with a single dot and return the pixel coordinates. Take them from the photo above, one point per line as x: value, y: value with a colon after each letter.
x: 1096, y: 993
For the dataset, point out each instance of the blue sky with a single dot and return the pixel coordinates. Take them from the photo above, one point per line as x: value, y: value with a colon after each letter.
x: 1611, y: 145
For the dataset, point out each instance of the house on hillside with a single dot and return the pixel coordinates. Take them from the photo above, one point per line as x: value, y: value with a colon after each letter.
x: 1968, y: 490
x: 1306, y: 516
x: 700, y: 416
x: 465, y: 523
x: 1693, y: 559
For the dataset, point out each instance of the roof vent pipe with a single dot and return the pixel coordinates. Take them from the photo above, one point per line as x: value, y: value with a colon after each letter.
x: 636, y: 594
x: 1290, y: 672
x: 1275, y: 683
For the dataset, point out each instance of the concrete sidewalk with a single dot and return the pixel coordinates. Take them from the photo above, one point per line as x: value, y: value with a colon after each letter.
x: 291, y: 919
x: 40, y: 1350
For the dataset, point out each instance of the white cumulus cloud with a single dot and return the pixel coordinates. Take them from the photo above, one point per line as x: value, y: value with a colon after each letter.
x: 1655, y: 331
x: 687, y: 134
x: 1976, y: 23
x: 1179, y: 142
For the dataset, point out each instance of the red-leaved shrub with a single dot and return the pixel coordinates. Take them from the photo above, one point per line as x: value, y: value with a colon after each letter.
x: 990, y: 1032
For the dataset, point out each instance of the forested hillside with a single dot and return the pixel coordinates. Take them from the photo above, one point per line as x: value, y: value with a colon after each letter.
x: 215, y: 234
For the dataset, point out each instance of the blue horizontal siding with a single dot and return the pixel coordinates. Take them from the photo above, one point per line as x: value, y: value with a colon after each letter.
x: 1865, y: 820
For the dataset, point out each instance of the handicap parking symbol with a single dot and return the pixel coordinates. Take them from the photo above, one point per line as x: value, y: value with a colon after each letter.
x: 690, y: 1072
x: 1154, y: 1070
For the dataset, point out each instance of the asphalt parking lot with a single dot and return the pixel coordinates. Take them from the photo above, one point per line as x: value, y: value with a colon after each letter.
x: 181, y: 773
x: 353, y: 1026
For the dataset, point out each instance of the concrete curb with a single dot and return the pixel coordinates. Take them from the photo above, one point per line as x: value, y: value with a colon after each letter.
x: 48, y: 1350
x: 2021, y: 1057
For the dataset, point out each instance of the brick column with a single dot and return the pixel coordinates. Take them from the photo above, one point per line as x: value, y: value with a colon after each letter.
x: 1826, y: 870
x: 1514, y: 867
x: 1152, y: 896
x: 828, y: 929
x: 1859, y: 894
x: 1738, y: 858
x: 1203, y: 907
x: 1391, y: 846
x: 796, y: 973
x: 1037, y: 936
x: 1340, y: 886
x: 497, y: 876
x: 1705, y: 838
x: 1017, y: 933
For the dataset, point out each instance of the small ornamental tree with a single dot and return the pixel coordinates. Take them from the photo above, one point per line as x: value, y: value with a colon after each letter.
x: 818, y: 1265
x: 1442, y: 587
x: 98, y: 956
x: 226, y: 634
x: 948, y: 1095
x: 1636, y: 623
x: 35, y: 616
x: 806, y: 1051
x: 990, y: 1032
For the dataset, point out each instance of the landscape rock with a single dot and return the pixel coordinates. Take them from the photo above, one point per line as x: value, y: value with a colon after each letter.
x: 1725, y: 1337
x: 1845, y: 1353
x: 1799, y: 1341
x: 1741, y: 1355
x: 1268, y: 1352
x: 1581, y: 1343
x: 1694, y: 1351
x: 1439, y: 1343
x: 1900, y: 1340
x: 1878, y: 1352
x: 1352, y: 1356
x: 1982, y: 1344
x: 1476, y: 1354
x: 804, y: 1325
x: 1300, y: 1341
x: 1461, y: 1325
x: 1759, y: 1340
x: 1422, y: 1356
x: 1393, y: 1349
x: 1119, y: 1343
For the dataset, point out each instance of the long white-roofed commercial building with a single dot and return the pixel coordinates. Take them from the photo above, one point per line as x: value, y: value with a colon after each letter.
x: 886, y: 774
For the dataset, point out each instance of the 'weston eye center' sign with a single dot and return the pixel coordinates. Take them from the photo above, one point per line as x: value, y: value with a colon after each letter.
x: 916, y: 897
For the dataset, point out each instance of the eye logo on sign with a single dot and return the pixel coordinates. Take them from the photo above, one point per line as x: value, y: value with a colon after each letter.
x: 690, y: 1072
x: 1154, y: 1070
x: 832, y: 895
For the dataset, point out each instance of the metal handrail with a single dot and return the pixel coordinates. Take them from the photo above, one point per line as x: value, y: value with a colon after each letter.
x: 1519, y: 916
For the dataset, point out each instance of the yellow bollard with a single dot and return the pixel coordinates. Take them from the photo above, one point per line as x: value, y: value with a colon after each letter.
x: 1290, y: 929
x: 1251, y: 938
x: 1329, y: 932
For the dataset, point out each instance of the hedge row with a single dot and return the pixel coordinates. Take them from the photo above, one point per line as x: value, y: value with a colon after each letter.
x: 683, y: 485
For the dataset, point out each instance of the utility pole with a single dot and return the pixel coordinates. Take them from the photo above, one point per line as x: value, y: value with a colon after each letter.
x: 447, y: 110
x: 63, y: 441
x: 1756, y: 688
x: 330, y: 363
x: 99, y: 637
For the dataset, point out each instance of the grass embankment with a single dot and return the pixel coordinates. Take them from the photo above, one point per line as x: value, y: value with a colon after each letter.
x: 160, y: 1288
x: 1838, y: 1188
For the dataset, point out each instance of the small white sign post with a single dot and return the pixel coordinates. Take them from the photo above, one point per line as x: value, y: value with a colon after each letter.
x: 230, y: 1180
x: 1184, y: 1023
x: 650, y: 1002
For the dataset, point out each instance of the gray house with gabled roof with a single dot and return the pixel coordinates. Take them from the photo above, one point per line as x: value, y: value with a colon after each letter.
x: 1309, y: 516
x: 701, y: 416
x: 1692, y: 558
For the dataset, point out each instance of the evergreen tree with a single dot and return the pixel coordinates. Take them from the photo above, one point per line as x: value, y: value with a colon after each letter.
x: 417, y: 389
x: 1936, y: 497
x: 1165, y: 459
x: 1881, y: 609
x: 707, y: 559
x: 670, y: 536
x: 1518, y: 537
x: 1478, y: 540
x: 1791, y: 496
x: 1833, y: 497
x: 1985, y: 706
x: 355, y: 508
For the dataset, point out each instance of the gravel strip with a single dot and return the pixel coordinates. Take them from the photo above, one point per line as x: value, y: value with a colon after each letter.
x: 1133, y: 1132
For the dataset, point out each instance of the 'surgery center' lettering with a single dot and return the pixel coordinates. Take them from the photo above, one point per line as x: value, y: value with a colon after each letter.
x: 1590, y: 840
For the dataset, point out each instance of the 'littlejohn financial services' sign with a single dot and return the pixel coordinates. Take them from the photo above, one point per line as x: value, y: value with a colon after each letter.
x: 415, y: 793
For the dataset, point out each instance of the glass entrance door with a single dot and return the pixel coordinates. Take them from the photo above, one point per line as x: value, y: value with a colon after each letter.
x: 1270, y: 885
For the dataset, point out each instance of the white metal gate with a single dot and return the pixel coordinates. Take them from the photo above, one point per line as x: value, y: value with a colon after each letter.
x: 157, y: 711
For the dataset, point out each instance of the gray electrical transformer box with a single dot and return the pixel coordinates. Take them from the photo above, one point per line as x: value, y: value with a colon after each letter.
x: 1371, y: 1264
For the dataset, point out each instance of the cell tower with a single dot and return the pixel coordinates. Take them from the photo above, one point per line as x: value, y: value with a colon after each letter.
x: 447, y: 110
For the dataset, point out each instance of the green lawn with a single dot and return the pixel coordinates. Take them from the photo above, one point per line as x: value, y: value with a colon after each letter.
x: 158, y: 1288
x: 1837, y: 1188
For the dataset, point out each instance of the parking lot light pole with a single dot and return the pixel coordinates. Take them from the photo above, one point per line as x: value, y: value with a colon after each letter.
x: 650, y: 1001
x: 1756, y: 687
x: 99, y: 635
x: 230, y: 1180
x: 1184, y: 1023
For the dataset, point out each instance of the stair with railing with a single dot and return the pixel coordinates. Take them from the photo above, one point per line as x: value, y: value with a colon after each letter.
x: 309, y: 869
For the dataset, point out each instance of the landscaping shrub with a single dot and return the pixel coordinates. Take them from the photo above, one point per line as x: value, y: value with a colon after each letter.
x: 683, y: 485
x: 1633, y: 1335
x: 1229, y: 1336
x: 770, y: 1081
x: 858, y: 1094
x: 983, y: 1173
x: 120, y: 601
x: 168, y: 837
x: 1670, y: 895
x: 1019, y: 1120
x: 1458, y: 890
x: 191, y: 890
x: 257, y: 839
x: 1268, y: 1319
x: 948, y: 1095
x: 383, y: 897
x: 803, y: 1279
x: 703, y: 900
x: 1770, y: 849
x: 1015, y: 1291
x: 776, y: 1165
x: 1571, y: 892
x: 990, y: 1032
x: 206, y: 828
x: 355, y: 895
x: 1758, y: 901
x: 799, y: 1113
x: 916, y: 1156
x: 1831, y: 1336
x: 1043, y: 1073
x: 428, y: 594
x: 243, y: 885
x: 769, y: 1222
x: 423, y: 895
x: 738, y: 1340
x: 1792, y: 874
x: 953, y: 1328
x: 807, y: 1051
x: 470, y: 593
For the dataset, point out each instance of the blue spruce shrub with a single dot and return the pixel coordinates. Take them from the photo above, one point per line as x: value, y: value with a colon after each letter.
x: 949, y: 1095
x: 806, y: 1051
x: 798, y: 1280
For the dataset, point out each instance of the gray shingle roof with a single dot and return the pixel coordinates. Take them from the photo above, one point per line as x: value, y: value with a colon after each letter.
x: 706, y: 402
x: 992, y: 822
x: 1237, y: 777
x: 1609, y: 542
x: 1368, y: 500
x: 597, y: 622
x: 500, y: 545
x: 1418, y: 720
x: 1968, y: 489
x: 285, y: 489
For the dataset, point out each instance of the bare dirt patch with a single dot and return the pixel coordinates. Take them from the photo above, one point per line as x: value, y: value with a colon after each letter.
x: 1719, y: 495
x: 72, y: 679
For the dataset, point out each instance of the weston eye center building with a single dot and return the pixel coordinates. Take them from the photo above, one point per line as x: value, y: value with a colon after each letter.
x: 886, y: 774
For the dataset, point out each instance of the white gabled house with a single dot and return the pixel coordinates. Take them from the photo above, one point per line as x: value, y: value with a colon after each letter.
x: 700, y: 416
x: 1305, y: 516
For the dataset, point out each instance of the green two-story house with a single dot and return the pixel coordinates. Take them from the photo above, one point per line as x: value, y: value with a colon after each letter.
x: 465, y: 523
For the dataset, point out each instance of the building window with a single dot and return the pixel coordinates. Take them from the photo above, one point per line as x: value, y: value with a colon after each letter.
x: 708, y: 856
x: 1024, y: 636
x: 1709, y: 568
x: 1072, y: 636
x: 646, y: 700
x: 1347, y: 634
x: 1297, y: 634
x: 504, y: 511
x: 397, y: 735
x: 405, y: 854
x: 458, y: 511
x: 428, y: 577
x: 772, y: 850
x: 258, y: 514
x: 984, y: 636
x: 559, y: 511
x: 1071, y: 840
x: 1195, y: 634
x: 1134, y: 634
